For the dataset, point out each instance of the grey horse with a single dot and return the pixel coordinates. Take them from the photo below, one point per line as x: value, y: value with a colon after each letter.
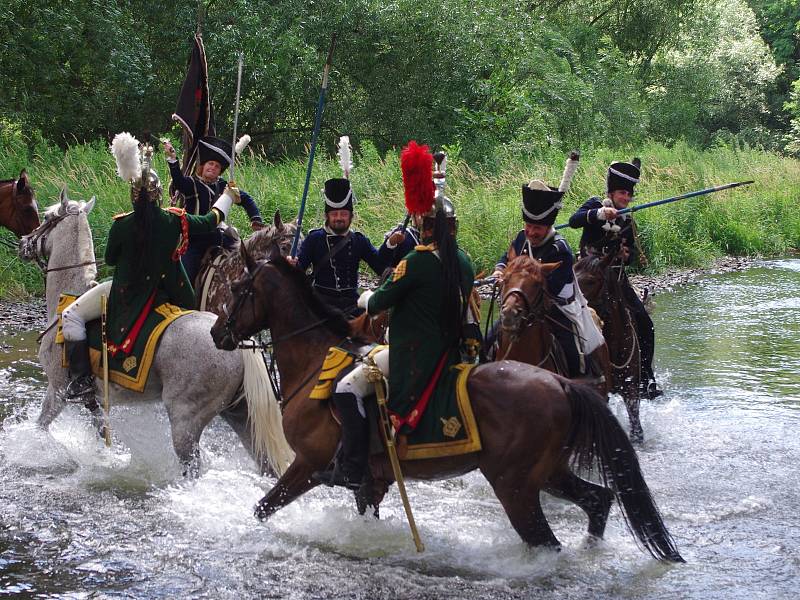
x: 233, y: 385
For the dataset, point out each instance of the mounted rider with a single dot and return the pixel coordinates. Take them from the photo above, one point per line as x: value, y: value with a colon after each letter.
x: 573, y: 326
x: 335, y: 250
x: 145, y: 247
x: 604, y: 231
x: 427, y: 295
x: 201, y: 190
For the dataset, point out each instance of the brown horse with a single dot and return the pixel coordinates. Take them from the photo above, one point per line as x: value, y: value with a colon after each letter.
x: 599, y: 279
x: 526, y: 333
x: 18, y: 209
x: 533, y: 424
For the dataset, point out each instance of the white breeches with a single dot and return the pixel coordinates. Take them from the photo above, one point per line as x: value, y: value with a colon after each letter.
x: 355, y: 382
x: 86, y: 308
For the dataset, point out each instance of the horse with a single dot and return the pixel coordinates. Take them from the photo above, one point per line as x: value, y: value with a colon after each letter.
x: 232, y: 385
x: 599, y: 280
x: 526, y: 335
x: 18, y: 209
x: 533, y: 424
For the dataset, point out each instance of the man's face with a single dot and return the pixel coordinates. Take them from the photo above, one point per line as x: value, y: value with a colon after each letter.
x: 620, y: 198
x: 210, y: 170
x: 339, y: 220
x: 536, y: 233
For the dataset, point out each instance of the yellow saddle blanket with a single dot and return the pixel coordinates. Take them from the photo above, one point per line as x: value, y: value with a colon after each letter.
x: 128, y: 370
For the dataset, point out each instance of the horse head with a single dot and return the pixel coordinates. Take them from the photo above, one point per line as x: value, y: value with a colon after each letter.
x: 525, y: 298
x: 591, y: 273
x: 53, y: 236
x: 18, y: 209
x: 272, y: 294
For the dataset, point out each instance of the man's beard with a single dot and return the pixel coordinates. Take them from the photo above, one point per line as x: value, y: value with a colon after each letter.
x: 338, y: 227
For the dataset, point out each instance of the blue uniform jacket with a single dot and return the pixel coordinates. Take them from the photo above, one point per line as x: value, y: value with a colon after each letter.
x: 561, y: 281
x: 338, y: 275
x: 392, y: 256
x: 597, y: 238
x: 200, y: 197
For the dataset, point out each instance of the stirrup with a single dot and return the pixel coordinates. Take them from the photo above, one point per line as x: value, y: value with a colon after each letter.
x: 81, y: 389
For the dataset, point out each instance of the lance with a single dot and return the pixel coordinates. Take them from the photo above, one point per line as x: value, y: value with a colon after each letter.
x: 317, y: 123
x: 236, y: 115
x: 710, y: 190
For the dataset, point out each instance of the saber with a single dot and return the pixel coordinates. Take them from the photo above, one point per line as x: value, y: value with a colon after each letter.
x: 314, y: 134
x: 236, y: 114
x: 710, y: 190
x: 375, y: 375
x: 104, y: 341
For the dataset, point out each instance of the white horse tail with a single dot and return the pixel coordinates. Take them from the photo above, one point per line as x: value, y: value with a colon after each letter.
x: 264, y: 414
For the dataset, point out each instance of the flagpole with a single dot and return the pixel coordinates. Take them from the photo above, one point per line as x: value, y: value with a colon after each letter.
x: 314, y: 134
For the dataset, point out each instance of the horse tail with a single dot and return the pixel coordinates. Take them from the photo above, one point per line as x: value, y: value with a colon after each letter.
x: 597, y: 439
x: 264, y: 414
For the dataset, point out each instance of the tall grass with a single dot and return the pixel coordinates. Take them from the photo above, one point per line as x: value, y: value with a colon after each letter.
x: 763, y: 218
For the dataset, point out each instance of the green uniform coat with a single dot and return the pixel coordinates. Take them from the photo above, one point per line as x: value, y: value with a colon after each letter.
x: 416, y: 340
x: 160, y: 273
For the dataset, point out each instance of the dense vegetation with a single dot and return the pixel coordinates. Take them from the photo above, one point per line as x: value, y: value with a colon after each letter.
x: 758, y: 219
x: 499, y: 75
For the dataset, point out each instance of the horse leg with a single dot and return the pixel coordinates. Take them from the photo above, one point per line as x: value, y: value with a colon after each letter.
x: 186, y: 430
x: 51, y: 408
x: 295, y: 482
x: 519, y: 496
x: 595, y: 500
x: 630, y: 394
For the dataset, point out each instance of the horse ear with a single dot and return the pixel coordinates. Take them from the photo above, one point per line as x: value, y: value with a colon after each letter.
x: 550, y: 267
x: 246, y: 258
x: 22, y: 181
x: 64, y: 197
x: 276, y: 220
x: 87, y: 207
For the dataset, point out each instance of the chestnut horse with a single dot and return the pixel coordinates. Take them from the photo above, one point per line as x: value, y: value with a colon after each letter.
x: 18, y: 209
x: 533, y: 424
x: 526, y: 334
x: 599, y: 279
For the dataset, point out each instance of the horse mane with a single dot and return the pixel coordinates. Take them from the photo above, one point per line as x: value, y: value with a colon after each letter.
x: 522, y: 264
x: 335, y: 321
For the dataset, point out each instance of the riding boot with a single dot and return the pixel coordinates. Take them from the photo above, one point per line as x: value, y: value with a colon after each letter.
x: 81, y: 384
x: 351, y: 462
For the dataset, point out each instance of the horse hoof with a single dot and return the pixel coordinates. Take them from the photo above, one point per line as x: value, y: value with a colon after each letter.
x: 261, y: 513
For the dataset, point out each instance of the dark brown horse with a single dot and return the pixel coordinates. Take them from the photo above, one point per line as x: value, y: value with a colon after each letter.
x: 526, y: 332
x: 18, y: 209
x: 599, y: 279
x: 533, y: 424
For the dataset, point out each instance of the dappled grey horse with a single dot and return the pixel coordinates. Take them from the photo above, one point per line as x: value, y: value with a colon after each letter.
x: 233, y: 385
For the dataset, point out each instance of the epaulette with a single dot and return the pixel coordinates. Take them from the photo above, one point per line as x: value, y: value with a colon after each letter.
x: 176, y: 210
x: 425, y: 247
x: 120, y: 215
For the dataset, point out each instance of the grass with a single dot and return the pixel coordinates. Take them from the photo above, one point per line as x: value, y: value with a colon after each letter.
x: 760, y: 219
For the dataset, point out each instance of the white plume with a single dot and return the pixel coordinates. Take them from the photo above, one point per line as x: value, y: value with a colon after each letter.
x: 125, y: 149
x: 569, y: 172
x: 242, y: 143
x: 345, y: 160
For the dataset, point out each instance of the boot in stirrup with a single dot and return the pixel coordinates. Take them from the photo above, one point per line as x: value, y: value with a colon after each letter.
x: 351, y: 462
x: 81, y: 383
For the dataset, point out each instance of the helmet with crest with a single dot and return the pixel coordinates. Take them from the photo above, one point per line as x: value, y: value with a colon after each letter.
x: 134, y: 162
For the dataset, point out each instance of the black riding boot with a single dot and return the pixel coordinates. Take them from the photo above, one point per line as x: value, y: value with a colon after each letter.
x: 351, y: 462
x: 81, y: 383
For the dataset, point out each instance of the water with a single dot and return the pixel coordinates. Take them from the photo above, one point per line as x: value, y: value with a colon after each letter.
x: 77, y: 520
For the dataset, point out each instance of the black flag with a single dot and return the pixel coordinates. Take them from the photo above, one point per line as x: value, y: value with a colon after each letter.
x: 194, y: 111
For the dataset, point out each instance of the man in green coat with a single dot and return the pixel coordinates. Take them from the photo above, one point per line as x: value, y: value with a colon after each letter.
x: 428, y: 297
x: 144, y: 246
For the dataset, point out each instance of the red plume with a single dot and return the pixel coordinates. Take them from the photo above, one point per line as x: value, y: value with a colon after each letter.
x: 416, y: 162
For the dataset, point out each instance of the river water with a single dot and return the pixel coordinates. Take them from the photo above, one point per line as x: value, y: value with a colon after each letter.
x: 720, y: 456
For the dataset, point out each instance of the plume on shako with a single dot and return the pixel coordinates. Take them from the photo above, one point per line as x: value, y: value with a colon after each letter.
x: 242, y: 143
x: 345, y: 156
x: 416, y: 163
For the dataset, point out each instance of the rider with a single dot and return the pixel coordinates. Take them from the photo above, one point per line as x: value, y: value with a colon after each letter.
x: 144, y: 246
x: 336, y: 250
x: 201, y: 190
x: 401, y: 240
x: 427, y: 295
x: 605, y: 230
x: 577, y: 336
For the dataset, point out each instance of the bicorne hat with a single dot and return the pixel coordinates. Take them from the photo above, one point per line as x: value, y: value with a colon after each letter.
x: 622, y: 176
x: 338, y: 194
x: 212, y: 148
x: 540, y: 203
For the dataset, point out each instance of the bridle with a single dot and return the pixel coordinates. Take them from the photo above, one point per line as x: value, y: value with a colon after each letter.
x: 32, y: 246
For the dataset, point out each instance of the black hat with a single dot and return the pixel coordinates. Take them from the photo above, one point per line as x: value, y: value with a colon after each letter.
x: 212, y: 148
x: 540, y: 203
x: 622, y: 176
x: 338, y: 195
